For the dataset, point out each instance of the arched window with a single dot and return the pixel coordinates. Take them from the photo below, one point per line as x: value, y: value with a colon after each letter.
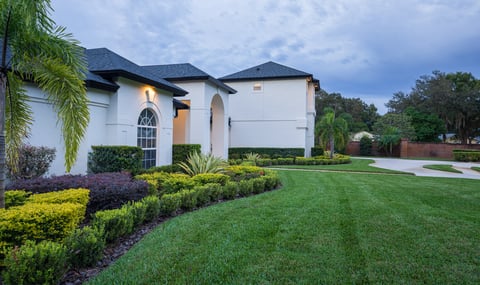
x: 147, y: 137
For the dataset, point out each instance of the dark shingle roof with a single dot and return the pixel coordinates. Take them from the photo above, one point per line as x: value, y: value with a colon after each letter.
x: 96, y: 81
x: 91, y: 79
x: 268, y: 70
x: 108, y: 64
x: 185, y: 72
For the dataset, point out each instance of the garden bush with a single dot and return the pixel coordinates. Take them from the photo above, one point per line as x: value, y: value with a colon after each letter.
x: 230, y: 190
x: 42, y: 263
x: 154, y: 180
x: 265, y: 152
x: 34, y: 221
x: 115, y: 159
x: 366, y: 146
x: 85, y: 246
x: 181, y: 152
x: 174, y: 183
x: 80, y: 196
x: 173, y: 168
x: 15, y: 198
x: 138, y: 210
x: 258, y: 185
x: 286, y: 161
x: 33, y: 162
x: 245, y: 187
x: 152, y: 207
x: 317, y: 150
x: 466, y: 155
x: 188, y: 199
x: 240, y: 172
x: 204, y: 178
x: 169, y: 204
x: 107, y: 190
x: 115, y: 223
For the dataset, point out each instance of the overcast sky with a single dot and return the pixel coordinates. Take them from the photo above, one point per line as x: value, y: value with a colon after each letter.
x: 360, y: 48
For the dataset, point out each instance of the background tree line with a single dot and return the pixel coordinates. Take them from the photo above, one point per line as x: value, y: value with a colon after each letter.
x: 441, y: 103
x: 438, y: 104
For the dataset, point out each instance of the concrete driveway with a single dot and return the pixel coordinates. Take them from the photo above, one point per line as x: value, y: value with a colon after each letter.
x: 416, y: 167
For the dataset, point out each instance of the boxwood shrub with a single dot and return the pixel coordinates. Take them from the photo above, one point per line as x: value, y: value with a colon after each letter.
x: 42, y: 263
x: 182, y: 151
x: 265, y: 152
x: 466, y: 155
x: 115, y: 159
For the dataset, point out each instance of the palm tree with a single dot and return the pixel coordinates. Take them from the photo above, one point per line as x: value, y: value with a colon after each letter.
x: 332, y: 130
x: 34, y: 49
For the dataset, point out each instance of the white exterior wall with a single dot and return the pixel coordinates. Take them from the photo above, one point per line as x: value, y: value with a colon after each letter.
x: 193, y: 126
x: 276, y: 116
x: 46, y: 132
x: 113, y: 121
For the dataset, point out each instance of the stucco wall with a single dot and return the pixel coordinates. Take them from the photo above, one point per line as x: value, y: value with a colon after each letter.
x: 276, y: 116
x: 113, y: 121
x: 46, y: 132
x: 193, y: 126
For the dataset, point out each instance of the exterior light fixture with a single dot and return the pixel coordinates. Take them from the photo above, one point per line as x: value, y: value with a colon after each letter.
x: 147, y: 94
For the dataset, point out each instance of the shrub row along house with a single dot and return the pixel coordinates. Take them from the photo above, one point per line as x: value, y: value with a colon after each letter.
x: 154, y: 107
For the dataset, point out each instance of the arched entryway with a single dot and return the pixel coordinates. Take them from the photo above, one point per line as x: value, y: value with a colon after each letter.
x: 147, y: 137
x: 217, y: 126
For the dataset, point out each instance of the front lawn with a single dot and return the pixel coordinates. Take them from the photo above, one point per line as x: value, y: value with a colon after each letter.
x: 357, y: 165
x: 320, y: 228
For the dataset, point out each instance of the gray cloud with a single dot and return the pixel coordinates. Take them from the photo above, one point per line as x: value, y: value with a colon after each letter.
x: 372, y: 48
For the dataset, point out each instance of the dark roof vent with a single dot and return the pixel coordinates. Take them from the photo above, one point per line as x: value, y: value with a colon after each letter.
x: 258, y: 68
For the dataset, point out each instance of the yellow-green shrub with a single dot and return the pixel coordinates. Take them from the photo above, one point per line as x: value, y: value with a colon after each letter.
x: 204, y: 178
x: 243, y: 172
x: 16, y: 198
x: 36, y: 221
x: 154, y: 180
x: 79, y: 196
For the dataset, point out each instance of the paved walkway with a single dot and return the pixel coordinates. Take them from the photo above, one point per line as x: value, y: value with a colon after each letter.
x: 416, y: 167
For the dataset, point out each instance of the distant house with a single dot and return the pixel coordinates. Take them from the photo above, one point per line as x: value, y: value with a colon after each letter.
x: 274, y: 107
x: 128, y: 106
x: 205, y: 122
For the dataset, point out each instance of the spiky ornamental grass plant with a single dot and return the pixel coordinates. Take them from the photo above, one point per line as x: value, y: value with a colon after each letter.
x: 200, y: 163
x: 35, y: 49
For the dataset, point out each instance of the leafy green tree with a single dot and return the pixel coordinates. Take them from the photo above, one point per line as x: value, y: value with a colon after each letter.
x: 390, y: 137
x: 358, y: 114
x: 391, y: 128
x: 453, y: 97
x: 332, y: 131
x: 34, y: 49
x: 427, y: 126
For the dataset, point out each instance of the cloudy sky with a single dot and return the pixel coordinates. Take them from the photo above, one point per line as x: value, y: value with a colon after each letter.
x: 360, y: 48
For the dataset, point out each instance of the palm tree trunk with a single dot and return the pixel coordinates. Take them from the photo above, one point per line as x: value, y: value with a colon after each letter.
x: 3, y: 88
x: 332, y: 146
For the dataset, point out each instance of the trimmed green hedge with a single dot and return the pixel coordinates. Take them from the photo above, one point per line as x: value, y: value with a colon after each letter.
x: 115, y: 159
x: 317, y: 150
x: 466, y: 154
x: 265, y: 152
x: 181, y: 151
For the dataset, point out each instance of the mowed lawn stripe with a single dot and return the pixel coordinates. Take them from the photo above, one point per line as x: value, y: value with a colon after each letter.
x: 319, y: 228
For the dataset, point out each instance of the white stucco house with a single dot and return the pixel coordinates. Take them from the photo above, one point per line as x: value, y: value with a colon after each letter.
x: 274, y: 107
x: 128, y: 106
x: 156, y: 106
x: 205, y: 122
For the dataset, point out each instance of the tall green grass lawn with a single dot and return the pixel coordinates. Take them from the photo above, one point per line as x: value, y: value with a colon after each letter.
x: 320, y: 228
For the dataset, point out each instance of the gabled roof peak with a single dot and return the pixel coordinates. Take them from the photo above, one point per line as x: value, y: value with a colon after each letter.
x: 267, y: 70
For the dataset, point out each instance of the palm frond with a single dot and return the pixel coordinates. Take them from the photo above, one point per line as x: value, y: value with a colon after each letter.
x: 18, y: 118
